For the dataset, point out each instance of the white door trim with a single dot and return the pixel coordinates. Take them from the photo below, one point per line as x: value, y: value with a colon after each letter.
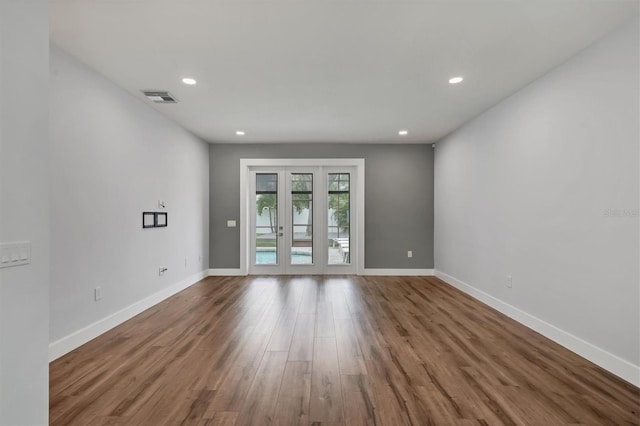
x: 247, y: 163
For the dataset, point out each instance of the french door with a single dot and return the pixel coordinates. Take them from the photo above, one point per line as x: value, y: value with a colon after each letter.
x: 301, y: 220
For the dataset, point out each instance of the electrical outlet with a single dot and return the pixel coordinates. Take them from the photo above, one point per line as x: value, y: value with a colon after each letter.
x: 162, y: 270
x: 410, y: 253
x: 509, y: 281
x: 97, y: 293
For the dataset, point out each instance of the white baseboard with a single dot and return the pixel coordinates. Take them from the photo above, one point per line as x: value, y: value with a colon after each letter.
x: 369, y: 271
x: 397, y: 272
x: 610, y: 362
x: 82, y: 336
x: 231, y: 272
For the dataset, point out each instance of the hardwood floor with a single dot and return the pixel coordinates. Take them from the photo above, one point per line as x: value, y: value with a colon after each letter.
x: 334, y: 351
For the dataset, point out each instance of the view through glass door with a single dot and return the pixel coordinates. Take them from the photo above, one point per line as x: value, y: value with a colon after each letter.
x: 301, y: 220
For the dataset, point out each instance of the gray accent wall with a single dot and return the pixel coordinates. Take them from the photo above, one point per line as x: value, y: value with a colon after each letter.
x: 398, y: 199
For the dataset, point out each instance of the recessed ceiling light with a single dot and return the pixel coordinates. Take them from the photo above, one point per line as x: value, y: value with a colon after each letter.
x: 189, y: 81
x: 239, y: 133
x: 455, y: 80
x: 403, y: 132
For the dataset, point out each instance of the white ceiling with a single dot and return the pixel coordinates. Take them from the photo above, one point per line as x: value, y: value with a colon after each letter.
x: 328, y: 70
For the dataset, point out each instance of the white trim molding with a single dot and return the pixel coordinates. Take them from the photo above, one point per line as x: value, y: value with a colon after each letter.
x: 398, y: 272
x: 76, y: 339
x: 237, y: 272
x: 610, y: 362
x: 229, y: 272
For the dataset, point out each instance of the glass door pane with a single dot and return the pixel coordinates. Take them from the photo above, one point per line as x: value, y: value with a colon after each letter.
x: 266, y: 220
x: 339, y: 218
x: 301, y: 219
x: 293, y: 232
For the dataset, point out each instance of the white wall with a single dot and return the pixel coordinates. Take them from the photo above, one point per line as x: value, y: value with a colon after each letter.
x: 24, y: 211
x: 524, y: 190
x: 114, y: 157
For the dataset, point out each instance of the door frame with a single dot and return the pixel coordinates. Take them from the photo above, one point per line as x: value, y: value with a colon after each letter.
x: 358, y: 195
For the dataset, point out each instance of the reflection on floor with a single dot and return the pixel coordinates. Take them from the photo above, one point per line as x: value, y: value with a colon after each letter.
x: 330, y: 350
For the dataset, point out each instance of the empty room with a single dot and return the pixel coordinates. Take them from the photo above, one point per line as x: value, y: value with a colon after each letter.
x: 319, y: 212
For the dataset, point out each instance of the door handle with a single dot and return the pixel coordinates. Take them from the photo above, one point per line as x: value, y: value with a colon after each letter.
x: 280, y: 234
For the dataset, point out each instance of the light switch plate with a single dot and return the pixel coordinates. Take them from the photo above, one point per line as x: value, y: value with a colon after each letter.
x: 231, y: 224
x: 15, y: 254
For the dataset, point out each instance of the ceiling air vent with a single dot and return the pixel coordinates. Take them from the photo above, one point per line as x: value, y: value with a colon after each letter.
x: 160, y: 97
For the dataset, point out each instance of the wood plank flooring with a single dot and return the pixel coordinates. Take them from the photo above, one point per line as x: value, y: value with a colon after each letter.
x: 330, y: 351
